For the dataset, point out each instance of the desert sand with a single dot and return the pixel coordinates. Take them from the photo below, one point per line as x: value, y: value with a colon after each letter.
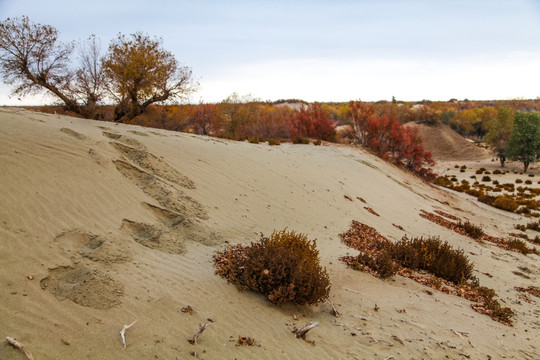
x: 102, y: 224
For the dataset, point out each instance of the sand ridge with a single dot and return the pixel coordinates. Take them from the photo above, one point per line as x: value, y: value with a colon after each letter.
x: 120, y: 224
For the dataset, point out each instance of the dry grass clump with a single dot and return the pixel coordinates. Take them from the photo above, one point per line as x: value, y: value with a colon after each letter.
x: 300, y: 140
x: 505, y: 203
x: 433, y: 256
x: 520, y: 246
x: 274, y: 142
x: 285, y: 267
x: 472, y: 230
x: 486, y: 178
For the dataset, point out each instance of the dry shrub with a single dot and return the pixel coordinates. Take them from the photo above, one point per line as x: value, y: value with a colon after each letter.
x: 492, y: 307
x: 486, y: 178
x: 497, y: 172
x: 472, y: 230
x: 443, y: 181
x: 434, y: 256
x: 519, y: 181
x: 285, y: 267
x: 274, y: 142
x: 520, y: 246
x: 300, y: 140
x: 505, y: 203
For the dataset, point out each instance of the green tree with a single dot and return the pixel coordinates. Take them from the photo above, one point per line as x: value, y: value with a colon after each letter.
x: 524, y: 144
x: 499, y: 131
x: 141, y: 72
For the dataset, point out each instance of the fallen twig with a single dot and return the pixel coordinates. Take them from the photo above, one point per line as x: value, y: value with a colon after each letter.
x: 301, y: 333
x: 198, y: 333
x: 351, y: 290
x: 334, y: 310
x: 18, y: 345
x: 123, y: 332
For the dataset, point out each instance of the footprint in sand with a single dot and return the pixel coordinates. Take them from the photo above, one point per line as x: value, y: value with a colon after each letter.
x: 84, y: 286
x: 73, y: 133
x: 154, y: 237
x: 154, y: 165
x: 165, y: 194
x: 93, y: 247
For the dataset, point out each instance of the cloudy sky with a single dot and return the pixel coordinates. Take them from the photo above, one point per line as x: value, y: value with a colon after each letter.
x: 334, y: 50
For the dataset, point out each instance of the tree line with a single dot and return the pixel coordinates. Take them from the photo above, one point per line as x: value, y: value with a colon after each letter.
x: 136, y: 73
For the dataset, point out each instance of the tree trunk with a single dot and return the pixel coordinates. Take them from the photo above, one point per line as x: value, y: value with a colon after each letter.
x: 525, y: 166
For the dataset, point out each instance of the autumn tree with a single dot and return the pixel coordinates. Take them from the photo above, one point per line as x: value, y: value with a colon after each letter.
x: 499, y: 131
x: 240, y: 114
x: 32, y: 58
x: 207, y: 119
x: 524, y: 143
x: 360, y: 113
x: 141, y: 72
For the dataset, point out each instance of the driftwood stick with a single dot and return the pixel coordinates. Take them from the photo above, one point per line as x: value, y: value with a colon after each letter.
x: 123, y: 332
x: 199, y: 331
x: 301, y: 333
x: 18, y: 345
x: 334, y: 310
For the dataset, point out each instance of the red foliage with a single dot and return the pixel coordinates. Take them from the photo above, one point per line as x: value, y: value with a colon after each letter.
x: 207, y: 120
x: 313, y: 122
x: 391, y: 140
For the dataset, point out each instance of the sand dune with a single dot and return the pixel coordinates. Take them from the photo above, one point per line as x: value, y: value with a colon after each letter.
x: 102, y: 224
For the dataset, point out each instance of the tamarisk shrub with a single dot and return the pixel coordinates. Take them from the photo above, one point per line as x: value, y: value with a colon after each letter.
x: 285, y: 267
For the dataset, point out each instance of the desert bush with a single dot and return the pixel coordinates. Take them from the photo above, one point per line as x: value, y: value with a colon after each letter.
x: 254, y: 140
x: 473, y: 176
x: 453, y: 178
x: 285, y: 267
x: 528, y: 182
x: 463, y: 167
x: 486, y: 178
x: 497, y: 312
x: 505, y: 203
x: 519, y: 181
x: 520, y: 246
x: 495, y: 182
x: 472, y: 230
x: 462, y: 170
x: 456, y: 166
x: 380, y: 263
x: 497, y: 172
x: 480, y: 171
x: 300, y: 140
x: 531, y: 175
x: 434, y: 256
x: 274, y: 142
x: 443, y: 181
x: 317, y: 142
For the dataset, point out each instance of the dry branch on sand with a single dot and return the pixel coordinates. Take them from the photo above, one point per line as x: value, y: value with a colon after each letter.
x: 123, y: 332
x: 18, y: 345
x: 198, y: 333
x: 301, y: 333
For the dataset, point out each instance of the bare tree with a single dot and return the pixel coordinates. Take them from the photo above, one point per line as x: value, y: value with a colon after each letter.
x: 32, y: 58
x: 141, y: 72
x: 90, y: 77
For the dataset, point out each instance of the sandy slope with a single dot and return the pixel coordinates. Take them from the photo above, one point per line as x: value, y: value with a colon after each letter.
x: 447, y: 145
x: 116, y: 223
